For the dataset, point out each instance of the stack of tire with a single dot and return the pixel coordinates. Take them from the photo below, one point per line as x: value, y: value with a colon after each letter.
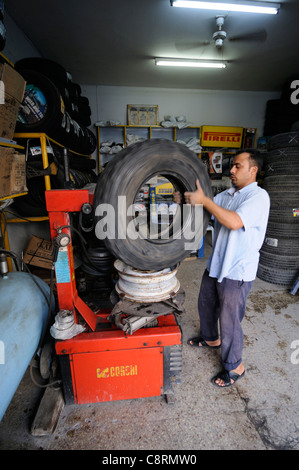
x: 279, y: 255
x: 282, y: 115
x: 53, y: 104
x: 80, y: 172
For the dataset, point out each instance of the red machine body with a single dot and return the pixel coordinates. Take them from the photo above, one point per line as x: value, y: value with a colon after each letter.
x: 104, y: 363
x: 109, y: 365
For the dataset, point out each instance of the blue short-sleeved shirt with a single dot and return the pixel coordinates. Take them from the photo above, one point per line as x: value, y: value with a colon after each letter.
x: 236, y: 252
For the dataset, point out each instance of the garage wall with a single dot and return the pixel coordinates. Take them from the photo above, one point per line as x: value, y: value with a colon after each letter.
x: 230, y: 108
x: 17, y: 45
x: 223, y: 108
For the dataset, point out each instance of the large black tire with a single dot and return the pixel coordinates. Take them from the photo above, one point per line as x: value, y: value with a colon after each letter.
x: 282, y: 161
x: 282, y: 168
x: 284, y: 195
x: 279, y: 228
x: 282, y: 277
x: 283, y: 155
x: 125, y: 175
x: 287, y: 215
x: 33, y: 204
x: 281, y: 183
x: 280, y: 261
x: 280, y: 117
x: 47, y: 67
x: 45, y: 102
x: 280, y: 246
x: 48, y: 114
x: 283, y: 140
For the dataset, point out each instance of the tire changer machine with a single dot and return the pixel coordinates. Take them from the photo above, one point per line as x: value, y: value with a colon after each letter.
x: 131, y: 349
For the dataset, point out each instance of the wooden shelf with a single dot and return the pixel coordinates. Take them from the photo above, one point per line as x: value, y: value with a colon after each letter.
x: 119, y: 133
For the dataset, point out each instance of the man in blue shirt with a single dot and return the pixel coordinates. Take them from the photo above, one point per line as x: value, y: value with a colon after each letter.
x: 241, y: 216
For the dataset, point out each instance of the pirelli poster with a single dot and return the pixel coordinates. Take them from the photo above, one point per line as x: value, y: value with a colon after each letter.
x: 221, y: 136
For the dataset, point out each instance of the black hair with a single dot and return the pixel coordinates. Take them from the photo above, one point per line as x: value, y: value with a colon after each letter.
x: 255, y: 157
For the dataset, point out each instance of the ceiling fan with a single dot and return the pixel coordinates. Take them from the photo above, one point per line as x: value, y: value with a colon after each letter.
x: 220, y: 36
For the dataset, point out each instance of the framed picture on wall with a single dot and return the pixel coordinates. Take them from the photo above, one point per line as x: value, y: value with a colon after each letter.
x: 143, y: 115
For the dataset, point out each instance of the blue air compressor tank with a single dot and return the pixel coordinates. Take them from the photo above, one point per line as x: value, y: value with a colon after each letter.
x: 23, y: 318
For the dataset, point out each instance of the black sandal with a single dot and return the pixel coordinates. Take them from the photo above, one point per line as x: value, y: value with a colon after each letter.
x: 199, y: 339
x: 226, y: 376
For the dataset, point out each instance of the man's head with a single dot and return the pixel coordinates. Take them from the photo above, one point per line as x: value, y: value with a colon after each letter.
x: 246, y: 165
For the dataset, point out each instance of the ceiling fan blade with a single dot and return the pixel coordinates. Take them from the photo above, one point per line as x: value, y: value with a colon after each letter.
x: 186, y: 46
x: 260, y: 36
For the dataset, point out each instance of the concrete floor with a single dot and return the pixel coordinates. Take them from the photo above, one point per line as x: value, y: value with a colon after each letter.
x: 261, y: 412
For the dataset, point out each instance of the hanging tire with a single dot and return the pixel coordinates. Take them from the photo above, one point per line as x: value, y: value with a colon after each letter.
x: 33, y: 204
x: 84, y: 120
x: 124, y: 175
x: 42, y: 108
x: 51, y: 69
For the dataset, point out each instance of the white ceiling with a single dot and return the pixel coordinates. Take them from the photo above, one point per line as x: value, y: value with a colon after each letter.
x: 114, y: 42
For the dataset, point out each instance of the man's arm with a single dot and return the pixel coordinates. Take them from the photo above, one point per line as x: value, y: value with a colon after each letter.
x: 229, y: 219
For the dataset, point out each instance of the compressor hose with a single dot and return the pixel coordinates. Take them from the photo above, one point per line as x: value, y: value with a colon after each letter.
x: 83, y: 244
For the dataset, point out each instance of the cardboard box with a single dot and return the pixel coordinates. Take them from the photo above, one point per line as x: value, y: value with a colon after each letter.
x: 221, y: 136
x: 12, y: 172
x: 39, y: 252
x: 12, y: 89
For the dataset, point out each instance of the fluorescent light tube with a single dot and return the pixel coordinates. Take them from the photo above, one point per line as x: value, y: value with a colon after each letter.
x: 246, y: 7
x: 190, y: 63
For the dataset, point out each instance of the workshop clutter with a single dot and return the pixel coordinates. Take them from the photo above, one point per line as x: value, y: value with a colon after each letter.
x: 179, y: 121
x: 12, y: 172
x: 192, y: 144
x: 39, y: 252
x: 53, y: 104
x: 110, y: 147
x: 281, y: 115
x: 66, y: 171
x: 279, y: 255
x: 95, y: 271
x: 12, y: 88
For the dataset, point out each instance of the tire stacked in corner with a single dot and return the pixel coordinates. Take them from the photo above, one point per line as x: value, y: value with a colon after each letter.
x: 53, y: 104
x: 81, y: 172
x: 279, y: 255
